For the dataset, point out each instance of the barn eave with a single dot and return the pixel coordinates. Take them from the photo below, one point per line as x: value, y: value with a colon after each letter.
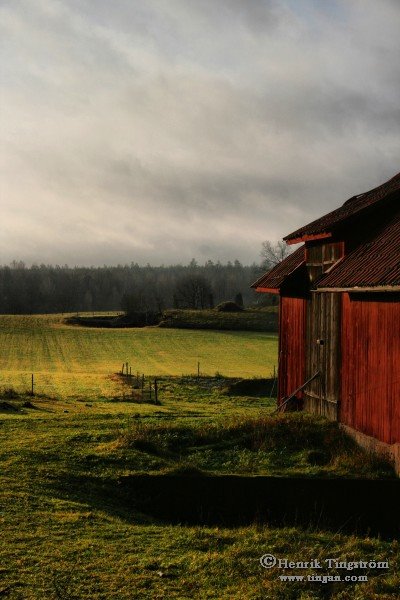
x: 272, y: 281
x: 360, y: 289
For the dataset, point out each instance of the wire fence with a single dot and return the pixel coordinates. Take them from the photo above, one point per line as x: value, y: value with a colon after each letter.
x: 126, y: 381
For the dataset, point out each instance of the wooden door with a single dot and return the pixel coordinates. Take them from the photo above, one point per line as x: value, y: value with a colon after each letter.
x: 323, y: 354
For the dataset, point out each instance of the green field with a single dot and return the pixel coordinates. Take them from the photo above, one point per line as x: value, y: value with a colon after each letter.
x: 68, y: 532
x: 72, y: 361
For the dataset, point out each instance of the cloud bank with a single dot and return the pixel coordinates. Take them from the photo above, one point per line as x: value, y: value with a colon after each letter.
x: 161, y: 130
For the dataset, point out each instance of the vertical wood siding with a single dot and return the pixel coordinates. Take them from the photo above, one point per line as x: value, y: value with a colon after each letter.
x: 323, y: 323
x: 292, y: 330
x: 370, y: 395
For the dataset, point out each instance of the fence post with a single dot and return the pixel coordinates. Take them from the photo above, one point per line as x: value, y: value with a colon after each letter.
x: 142, y: 385
x: 156, y: 391
x: 32, y: 385
x: 127, y: 369
x: 150, y: 388
x: 122, y: 369
x: 198, y: 370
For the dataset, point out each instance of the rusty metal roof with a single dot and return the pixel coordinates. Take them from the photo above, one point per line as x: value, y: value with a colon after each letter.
x: 376, y: 263
x: 350, y: 208
x: 274, y: 278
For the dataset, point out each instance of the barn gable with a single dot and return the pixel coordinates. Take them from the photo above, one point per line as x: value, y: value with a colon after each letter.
x: 374, y: 264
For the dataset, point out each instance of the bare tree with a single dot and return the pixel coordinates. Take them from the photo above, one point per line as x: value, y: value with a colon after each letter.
x: 273, y: 253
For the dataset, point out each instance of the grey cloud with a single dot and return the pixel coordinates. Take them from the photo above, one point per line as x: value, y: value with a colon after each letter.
x: 260, y: 16
x: 161, y: 131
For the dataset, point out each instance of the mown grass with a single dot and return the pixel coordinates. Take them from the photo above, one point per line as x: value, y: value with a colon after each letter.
x: 71, y: 361
x: 68, y: 531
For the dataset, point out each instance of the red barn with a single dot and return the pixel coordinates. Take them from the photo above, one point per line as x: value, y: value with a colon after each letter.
x: 339, y: 319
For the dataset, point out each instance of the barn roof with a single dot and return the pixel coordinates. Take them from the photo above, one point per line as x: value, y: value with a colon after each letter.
x: 274, y: 278
x: 376, y: 263
x: 353, y: 206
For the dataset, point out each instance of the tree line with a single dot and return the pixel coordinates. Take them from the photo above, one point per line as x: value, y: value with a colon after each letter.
x: 53, y: 289
x: 46, y: 288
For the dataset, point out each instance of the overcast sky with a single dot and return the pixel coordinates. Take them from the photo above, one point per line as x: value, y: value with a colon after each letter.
x: 161, y: 130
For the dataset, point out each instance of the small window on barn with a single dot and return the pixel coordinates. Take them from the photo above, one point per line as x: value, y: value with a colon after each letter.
x: 321, y: 257
x: 332, y: 252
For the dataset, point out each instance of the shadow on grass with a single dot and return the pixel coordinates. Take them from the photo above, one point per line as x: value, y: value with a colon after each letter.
x: 102, y: 494
x: 256, y: 387
x: 348, y: 505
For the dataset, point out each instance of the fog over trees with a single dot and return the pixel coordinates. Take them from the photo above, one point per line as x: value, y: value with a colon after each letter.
x: 134, y: 288
x: 46, y: 289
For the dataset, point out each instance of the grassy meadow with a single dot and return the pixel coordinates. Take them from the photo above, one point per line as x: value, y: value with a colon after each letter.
x: 68, y: 529
x: 70, y: 533
x: 79, y: 362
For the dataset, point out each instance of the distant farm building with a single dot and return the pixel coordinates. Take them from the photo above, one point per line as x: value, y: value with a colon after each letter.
x: 339, y: 323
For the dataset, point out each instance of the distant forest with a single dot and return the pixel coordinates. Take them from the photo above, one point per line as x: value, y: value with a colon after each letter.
x: 50, y: 289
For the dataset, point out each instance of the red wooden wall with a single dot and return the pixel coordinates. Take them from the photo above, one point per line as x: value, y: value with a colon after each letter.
x: 370, y: 394
x: 292, y: 331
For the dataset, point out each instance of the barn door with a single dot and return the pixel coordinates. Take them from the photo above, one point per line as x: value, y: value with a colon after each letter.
x: 322, y: 354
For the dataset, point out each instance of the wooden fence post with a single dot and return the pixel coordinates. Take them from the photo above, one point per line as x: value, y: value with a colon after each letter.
x: 122, y: 369
x: 198, y: 370
x: 142, y: 385
x: 150, y: 388
x: 156, y: 391
x: 32, y: 385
